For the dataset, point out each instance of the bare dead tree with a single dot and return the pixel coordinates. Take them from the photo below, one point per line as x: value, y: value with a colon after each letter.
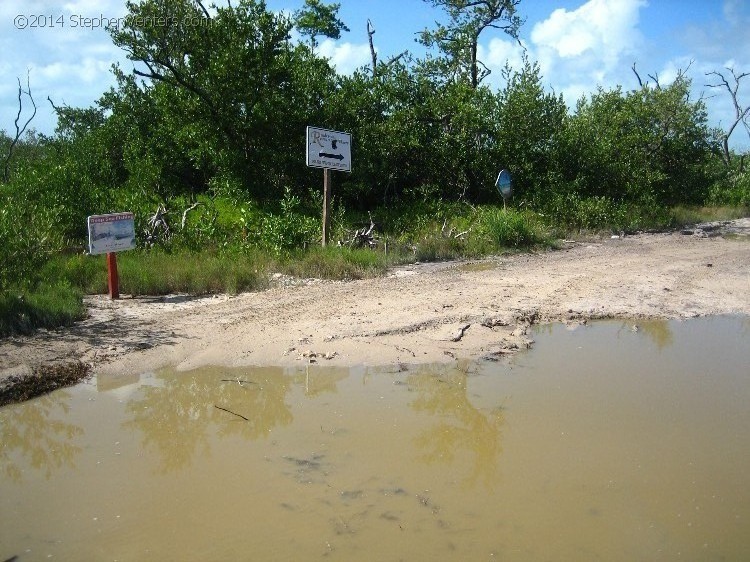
x: 637, y: 76
x: 741, y: 114
x: 374, y: 55
x: 20, y: 129
x: 655, y: 76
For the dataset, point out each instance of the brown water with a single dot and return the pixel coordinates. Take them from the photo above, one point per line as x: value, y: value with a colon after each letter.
x: 601, y: 443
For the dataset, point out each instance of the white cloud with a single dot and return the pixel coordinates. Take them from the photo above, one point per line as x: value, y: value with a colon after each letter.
x: 499, y: 52
x: 91, y: 8
x: 345, y: 57
x: 589, y: 42
x: 577, y: 50
x: 605, y: 27
x: 88, y: 71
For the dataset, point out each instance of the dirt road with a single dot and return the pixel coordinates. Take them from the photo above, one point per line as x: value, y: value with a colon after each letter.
x: 419, y: 313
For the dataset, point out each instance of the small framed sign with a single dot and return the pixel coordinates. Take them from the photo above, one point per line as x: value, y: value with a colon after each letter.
x: 111, y: 233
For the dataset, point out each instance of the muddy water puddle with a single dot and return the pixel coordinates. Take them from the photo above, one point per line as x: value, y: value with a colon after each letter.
x: 604, y: 442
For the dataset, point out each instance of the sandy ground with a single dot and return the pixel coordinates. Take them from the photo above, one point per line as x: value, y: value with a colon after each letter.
x: 419, y: 313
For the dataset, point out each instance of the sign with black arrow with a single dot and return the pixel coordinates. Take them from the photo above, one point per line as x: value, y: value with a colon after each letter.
x: 329, y: 149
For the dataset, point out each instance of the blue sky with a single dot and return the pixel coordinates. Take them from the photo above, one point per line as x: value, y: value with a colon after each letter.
x: 579, y: 44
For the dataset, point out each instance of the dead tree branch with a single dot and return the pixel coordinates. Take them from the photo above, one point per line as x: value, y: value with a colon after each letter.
x: 20, y: 130
x: 364, y: 237
x: 186, y: 211
x: 373, y: 54
x: 741, y: 114
x: 654, y: 77
x: 158, y: 229
x: 638, y: 76
x: 450, y: 234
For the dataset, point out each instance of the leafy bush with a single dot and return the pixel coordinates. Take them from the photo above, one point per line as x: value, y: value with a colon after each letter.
x: 572, y: 211
x: 29, y: 236
x: 734, y: 190
x: 283, y: 231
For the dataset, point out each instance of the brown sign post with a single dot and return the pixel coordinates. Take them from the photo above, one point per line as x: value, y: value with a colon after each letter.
x: 330, y: 150
x: 113, y: 280
x: 326, y: 205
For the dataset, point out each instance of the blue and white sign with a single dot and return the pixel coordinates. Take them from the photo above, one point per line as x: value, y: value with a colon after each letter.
x: 504, y: 184
x: 111, y: 233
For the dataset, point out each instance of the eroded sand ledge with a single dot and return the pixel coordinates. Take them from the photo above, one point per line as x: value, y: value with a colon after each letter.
x: 417, y: 314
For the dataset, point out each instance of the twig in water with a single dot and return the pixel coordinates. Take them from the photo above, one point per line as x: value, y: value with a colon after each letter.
x: 238, y: 381
x: 231, y: 412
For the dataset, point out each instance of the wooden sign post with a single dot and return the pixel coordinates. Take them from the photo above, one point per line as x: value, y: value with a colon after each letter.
x: 112, y: 278
x: 326, y: 205
x: 330, y: 150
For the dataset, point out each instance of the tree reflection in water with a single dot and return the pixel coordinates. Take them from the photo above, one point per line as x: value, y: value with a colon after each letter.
x: 459, y: 426
x: 32, y: 435
x: 658, y: 331
x: 319, y: 380
x: 179, y: 416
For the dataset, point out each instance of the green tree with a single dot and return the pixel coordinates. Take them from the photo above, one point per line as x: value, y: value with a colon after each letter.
x: 458, y: 40
x: 649, y: 144
x: 229, y: 90
x: 316, y: 19
x: 529, y: 128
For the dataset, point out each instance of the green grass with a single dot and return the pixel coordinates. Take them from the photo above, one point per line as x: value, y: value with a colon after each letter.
x: 49, y: 306
x: 160, y: 273
x: 195, y: 273
x: 510, y: 229
x: 693, y: 215
x: 334, y: 263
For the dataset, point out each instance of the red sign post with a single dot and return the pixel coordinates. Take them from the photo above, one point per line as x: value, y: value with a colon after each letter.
x: 112, y: 279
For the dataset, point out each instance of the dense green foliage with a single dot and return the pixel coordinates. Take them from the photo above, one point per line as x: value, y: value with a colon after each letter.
x: 211, y: 122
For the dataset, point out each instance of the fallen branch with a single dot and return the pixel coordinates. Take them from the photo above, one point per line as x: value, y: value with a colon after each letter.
x: 450, y: 234
x: 364, y: 237
x: 231, y: 412
x: 185, y: 213
x: 238, y: 381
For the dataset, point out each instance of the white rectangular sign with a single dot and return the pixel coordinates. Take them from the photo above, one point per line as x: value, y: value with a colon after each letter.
x: 329, y: 149
x: 111, y: 233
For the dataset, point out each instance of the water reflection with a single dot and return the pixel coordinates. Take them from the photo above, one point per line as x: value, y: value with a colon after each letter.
x: 459, y: 424
x: 178, y: 415
x: 32, y: 435
x: 319, y: 380
x: 658, y: 331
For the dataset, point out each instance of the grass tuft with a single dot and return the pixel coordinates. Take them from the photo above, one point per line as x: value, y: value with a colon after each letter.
x: 48, y: 306
x: 334, y: 262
